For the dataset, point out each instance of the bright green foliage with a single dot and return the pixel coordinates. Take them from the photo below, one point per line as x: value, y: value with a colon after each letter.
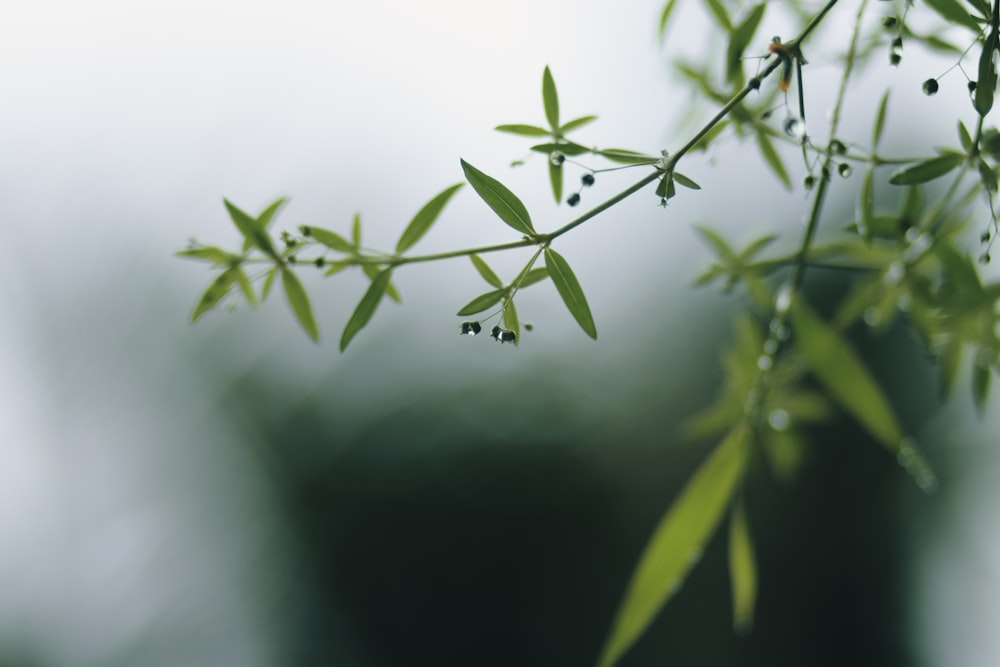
x: 299, y: 301
x: 366, y: 307
x: 485, y: 271
x: 482, y: 302
x: 742, y: 569
x: 424, y: 218
x: 927, y: 170
x: 739, y: 40
x: 677, y: 542
x: 570, y: 291
x: 551, y: 99
x: 503, y: 202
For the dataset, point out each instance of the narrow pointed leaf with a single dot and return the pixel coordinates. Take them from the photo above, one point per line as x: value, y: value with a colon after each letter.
x: 756, y: 246
x: 551, y: 99
x: 485, y: 271
x: 267, y: 215
x: 424, y: 218
x: 482, y: 302
x: 533, y: 276
x: 391, y: 291
x: 366, y: 307
x: 523, y: 130
x: 685, y: 181
x: 668, y: 9
x: 717, y: 243
x: 214, y: 293
x: 571, y: 125
x: 299, y: 301
x: 677, y: 543
x: 268, y: 283
x: 964, y: 138
x: 987, y: 81
x: 844, y: 375
x: 356, y: 231
x: 244, y: 282
x: 331, y: 239
x: 981, y: 376
x: 739, y: 39
x: 721, y: 14
x: 211, y: 254
x: 564, y: 147
x: 742, y: 570
x: 954, y: 12
x: 570, y: 291
x: 253, y: 233
x: 770, y: 155
x: 503, y: 202
x: 556, y: 178
x: 626, y: 156
x: 927, y: 170
x: 511, y: 320
x: 866, y: 204
x: 879, y: 126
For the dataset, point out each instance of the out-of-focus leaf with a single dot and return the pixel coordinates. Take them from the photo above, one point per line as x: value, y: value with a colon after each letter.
x: 299, y: 301
x: 252, y: 232
x: 949, y: 358
x: 742, y: 570
x: 772, y: 158
x: 510, y: 319
x: 784, y: 452
x: 677, y: 542
x: 551, y: 99
x: 843, y: 374
x: 391, y: 291
x: 706, y: 141
x: 356, y: 230
x: 987, y: 175
x: 720, y: 13
x: 503, y: 202
x: 556, y: 178
x: 866, y: 204
x: 880, y: 120
x: 717, y: 243
x: 523, y: 130
x: 927, y: 170
x: 211, y: 254
x: 964, y: 138
x: 625, y: 156
x: 482, y: 302
x: 739, y: 39
x: 336, y: 267
x: 564, y: 147
x: 268, y: 283
x: 485, y: 271
x: 267, y: 215
x: 244, y: 282
x: 571, y: 125
x: 331, y: 239
x: 216, y: 290
x: 570, y: 291
x: 668, y: 9
x: 756, y: 246
x: 424, y: 218
x: 981, y: 376
x: 987, y: 81
x: 954, y: 12
x: 366, y: 307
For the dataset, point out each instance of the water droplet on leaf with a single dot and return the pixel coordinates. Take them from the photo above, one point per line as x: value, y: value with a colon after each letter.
x: 795, y: 128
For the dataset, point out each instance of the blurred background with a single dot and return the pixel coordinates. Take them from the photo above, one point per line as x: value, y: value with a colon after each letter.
x: 231, y: 494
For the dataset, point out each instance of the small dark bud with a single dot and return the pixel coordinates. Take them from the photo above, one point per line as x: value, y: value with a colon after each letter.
x: 291, y: 259
x: 471, y: 328
x: 587, y: 180
x: 809, y: 182
x: 985, y: 238
x: 984, y: 258
x: 844, y: 169
x: 306, y: 230
x: 574, y: 199
x: 766, y: 114
x: 528, y: 326
x: 894, y: 59
x: 754, y: 83
x: 320, y: 262
x: 838, y: 147
x: 971, y: 86
x: 507, y: 336
x: 889, y: 22
x: 495, y: 332
x: 930, y: 87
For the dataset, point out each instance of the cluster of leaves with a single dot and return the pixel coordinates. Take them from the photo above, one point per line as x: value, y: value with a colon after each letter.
x: 787, y: 368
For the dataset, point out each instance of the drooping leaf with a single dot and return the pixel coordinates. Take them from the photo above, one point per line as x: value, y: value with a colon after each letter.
x: 668, y: 9
x: 366, y: 307
x: 214, y: 293
x: 503, y: 202
x: 330, y: 239
x: 987, y: 81
x: 742, y: 570
x: 571, y: 125
x: 424, y: 218
x: 665, y: 188
x: 844, y: 375
x: 511, y: 320
x: 523, y: 130
x: 253, y: 233
x: 866, y: 204
x: 551, y: 99
x: 244, y: 282
x: 556, y: 179
x: 677, y: 542
x: 954, y: 12
x: 485, y: 271
x: 739, y: 39
x: 770, y: 155
x: 482, y: 302
x: 299, y: 301
x: 981, y: 376
x: 880, y: 120
x: 211, y: 254
x: 927, y: 170
x: 391, y: 291
x: 570, y: 291
x: 685, y: 181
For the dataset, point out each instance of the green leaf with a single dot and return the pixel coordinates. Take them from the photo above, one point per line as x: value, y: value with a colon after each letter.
x: 245, y: 286
x: 677, y: 542
x: 570, y: 291
x: 485, y: 271
x: 551, y: 99
x: 337, y: 267
x: 742, y: 570
x: 366, y: 307
x: 987, y: 175
x: 510, y: 319
x: 927, y: 170
x: 503, y: 202
x: 356, y: 231
x: 212, y: 254
x: 268, y: 283
x: 523, y: 130
x: 571, y: 125
x: 772, y: 158
x: 556, y: 178
x: 267, y: 215
x: 953, y: 12
x: 625, y: 156
x: 964, y: 137
x: 681, y: 179
x: 253, y: 233
x: 718, y: 244
x: 981, y: 376
x: 330, y: 239
x: 843, y: 374
x: 880, y: 120
x: 533, y: 276
x: 299, y: 301
x: 721, y: 15
x: 424, y: 218
x: 564, y: 147
x: 739, y: 39
x: 706, y: 140
x: 668, y: 9
x: 665, y: 189
x: 866, y: 204
x: 216, y: 290
x: 987, y: 81
x: 391, y: 291
x: 482, y: 302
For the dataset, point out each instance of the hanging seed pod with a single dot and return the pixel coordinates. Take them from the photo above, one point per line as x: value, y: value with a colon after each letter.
x: 844, y: 170
x: 470, y: 328
x: 809, y: 182
x: 587, y: 180
x: 896, y: 51
x: 889, y: 22
x: 573, y: 199
x: 930, y: 87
